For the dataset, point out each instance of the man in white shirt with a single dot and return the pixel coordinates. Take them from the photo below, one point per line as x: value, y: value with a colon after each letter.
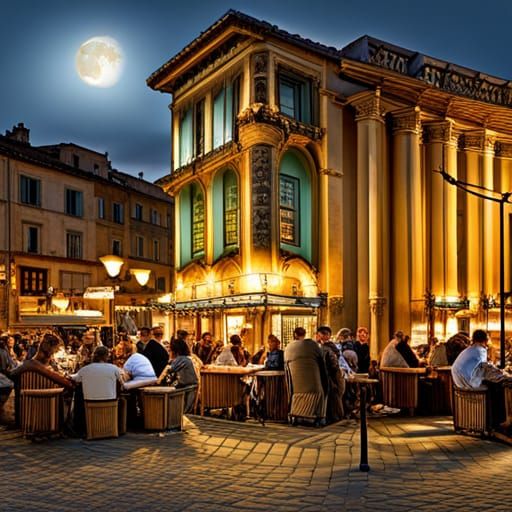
x: 139, y: 371
x: 99, y: 379
x: 471, y: 368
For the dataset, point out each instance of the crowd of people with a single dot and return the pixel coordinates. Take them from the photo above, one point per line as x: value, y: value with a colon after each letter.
x: 320, y: 368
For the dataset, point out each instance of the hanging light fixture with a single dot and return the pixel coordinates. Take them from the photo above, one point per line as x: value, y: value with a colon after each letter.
x: 141, y: 274
x: 112, y: 264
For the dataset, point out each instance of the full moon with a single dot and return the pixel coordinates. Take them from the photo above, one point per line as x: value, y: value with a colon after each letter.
x: 99, y: 61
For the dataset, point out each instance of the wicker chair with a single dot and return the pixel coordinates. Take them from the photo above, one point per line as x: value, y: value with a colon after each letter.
x: 471, y: 411
x: 163, y: 407
x: 400, y: 387
x: 41, y: 411
x: 31, y: 380
x: 102, y: 418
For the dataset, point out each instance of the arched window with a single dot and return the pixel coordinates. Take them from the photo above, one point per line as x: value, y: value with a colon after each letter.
x: 295, y: 214
x: 226, y: 216
x: 230, y: 209
x: 192, y: 223
x: 197, y: 220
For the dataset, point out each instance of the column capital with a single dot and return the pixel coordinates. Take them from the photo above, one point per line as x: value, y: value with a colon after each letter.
x: 442, y: 132
x: 406, y: 121
x: 478, y: 140
x: 377, y: 305
x: 368, y: 105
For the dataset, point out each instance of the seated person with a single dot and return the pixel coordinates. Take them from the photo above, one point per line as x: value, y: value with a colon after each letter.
x: 138, y: 371
x: 123, y: 350
x: 391, y: 357
x: 471, y: 368
x: 275, y: 356
x: 233, y: 354
x: 41, y: 364
x: 181, y: 372
x: 99, y: 379
x: 407, y: 352
x: 85, y: 353
x: 204, y: 348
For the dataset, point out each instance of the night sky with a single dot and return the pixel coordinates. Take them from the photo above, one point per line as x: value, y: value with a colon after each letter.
x: 39, y: 39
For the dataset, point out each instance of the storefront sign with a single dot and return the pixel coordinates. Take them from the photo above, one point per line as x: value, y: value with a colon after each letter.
x: 99, y: 292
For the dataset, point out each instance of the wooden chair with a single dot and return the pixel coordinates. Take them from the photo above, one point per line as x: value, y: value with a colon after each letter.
x: 41, y: 411
x: 163, y: 407
x: 101, y: 419
x: 471, y: 411
x: 400, y: 387
x: 273, y: 392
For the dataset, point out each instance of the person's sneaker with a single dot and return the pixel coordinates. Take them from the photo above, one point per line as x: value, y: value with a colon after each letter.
x: 389, y: 410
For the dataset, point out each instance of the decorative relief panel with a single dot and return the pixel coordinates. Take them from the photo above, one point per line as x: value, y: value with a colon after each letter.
x: 260, y: 69
x: 477, y: 141
x: 261, y: 165
x: 503, y: 149
x: 336, y: 304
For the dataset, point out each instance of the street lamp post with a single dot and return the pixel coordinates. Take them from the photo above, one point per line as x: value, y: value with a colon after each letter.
x: 496, y: 197
x: 113, y: 266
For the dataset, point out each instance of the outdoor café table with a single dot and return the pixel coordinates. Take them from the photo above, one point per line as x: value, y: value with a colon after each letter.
x: 362, y: 381
x: 272, y: 389
x: 222, y: 386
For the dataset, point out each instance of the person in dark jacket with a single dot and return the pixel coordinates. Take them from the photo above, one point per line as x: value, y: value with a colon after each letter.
x: 363, y: 349
x: 275, y: 356
x: 407, y: 352
x: 154, y: 351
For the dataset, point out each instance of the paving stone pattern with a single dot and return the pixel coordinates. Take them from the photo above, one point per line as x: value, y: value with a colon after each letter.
x: 217, y: 465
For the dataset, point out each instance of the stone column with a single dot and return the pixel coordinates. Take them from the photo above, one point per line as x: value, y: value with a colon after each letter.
x: 408, y: 282
x: 372, y: 213
x: 491, y: 234
x: 440, y: 141
x: 503, y: 164
x: 472, y: 145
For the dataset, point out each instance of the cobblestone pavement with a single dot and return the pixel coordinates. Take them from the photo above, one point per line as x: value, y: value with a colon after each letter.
x: 416, y: 464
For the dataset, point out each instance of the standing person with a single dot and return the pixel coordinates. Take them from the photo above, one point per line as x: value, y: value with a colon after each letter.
x: 154, y: 351
x: 307, y: 378
x: 204, y: 348
x: 158, y: 334
x: 144, y: 337
x: 336, y: 381
x: 362, y: 346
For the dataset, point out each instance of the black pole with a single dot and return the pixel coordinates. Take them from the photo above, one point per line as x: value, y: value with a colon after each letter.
x: 363, y: 464
x: 502, y: 285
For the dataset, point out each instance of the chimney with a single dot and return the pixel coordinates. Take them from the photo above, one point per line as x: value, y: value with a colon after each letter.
x: 19, y: 133
x: 141, y: 175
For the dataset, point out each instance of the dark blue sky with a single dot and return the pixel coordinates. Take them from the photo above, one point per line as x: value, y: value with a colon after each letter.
x: 39, y: 39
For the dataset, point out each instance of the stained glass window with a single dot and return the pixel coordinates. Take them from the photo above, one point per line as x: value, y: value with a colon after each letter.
x: 197, y: 221
x: 230, y: 209
x: 289, y: 209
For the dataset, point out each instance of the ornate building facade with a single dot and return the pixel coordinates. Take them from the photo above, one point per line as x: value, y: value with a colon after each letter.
x: 305, y: 192
x: 63, y: 207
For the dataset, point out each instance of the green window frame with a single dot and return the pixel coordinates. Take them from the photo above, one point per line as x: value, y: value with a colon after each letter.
x: 231, y: 215
x: 295, y: 96
x: 289, y: 210
x: 198, y: 211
